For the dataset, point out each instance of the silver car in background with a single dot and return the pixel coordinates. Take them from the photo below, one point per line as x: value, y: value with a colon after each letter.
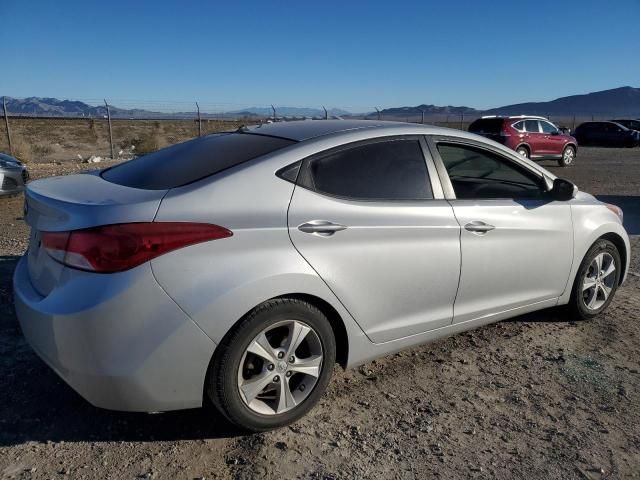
x: 13, y: 175
x: 240, y: 267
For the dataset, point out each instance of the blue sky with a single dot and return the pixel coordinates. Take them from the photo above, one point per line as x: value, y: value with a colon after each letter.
x: 343, y: 54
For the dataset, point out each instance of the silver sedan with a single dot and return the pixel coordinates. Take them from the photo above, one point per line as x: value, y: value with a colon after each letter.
x: 240, y: 267
x: 13, y: 175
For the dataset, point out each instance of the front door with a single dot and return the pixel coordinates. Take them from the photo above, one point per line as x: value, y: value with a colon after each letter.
x: 516, y: 243
x: 553, y: 141
x: 365, y: 217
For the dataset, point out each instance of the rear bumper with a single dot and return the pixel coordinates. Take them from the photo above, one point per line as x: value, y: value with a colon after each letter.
x: 118, y: 340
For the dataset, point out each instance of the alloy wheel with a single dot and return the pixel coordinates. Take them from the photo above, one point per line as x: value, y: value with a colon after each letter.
x: 280, y: 367
x: 568, y: 156
x: 598, y: 281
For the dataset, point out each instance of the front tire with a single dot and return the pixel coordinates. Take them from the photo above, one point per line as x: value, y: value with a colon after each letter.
x: 596, y: 281
x: 568, y: 156
x: 274, y: 366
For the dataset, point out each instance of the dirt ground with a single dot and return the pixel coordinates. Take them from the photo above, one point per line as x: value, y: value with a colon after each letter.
x: 535, y: 397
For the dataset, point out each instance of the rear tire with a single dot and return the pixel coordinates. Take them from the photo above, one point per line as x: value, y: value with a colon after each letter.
x: 522, y: 150
x: 279, y: 366
x: 568, y: 156
x: 596, y: 281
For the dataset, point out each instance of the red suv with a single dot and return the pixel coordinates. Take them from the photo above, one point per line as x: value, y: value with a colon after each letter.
x: 532, y: 137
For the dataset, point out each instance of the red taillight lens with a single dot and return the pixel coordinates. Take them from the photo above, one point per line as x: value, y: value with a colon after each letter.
x: 114, y: 248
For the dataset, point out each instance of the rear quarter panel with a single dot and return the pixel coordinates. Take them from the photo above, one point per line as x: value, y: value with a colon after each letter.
x: 218, y: 282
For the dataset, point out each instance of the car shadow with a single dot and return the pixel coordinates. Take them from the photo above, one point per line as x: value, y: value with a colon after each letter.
x: 38, y: 406
x: 630, y: 205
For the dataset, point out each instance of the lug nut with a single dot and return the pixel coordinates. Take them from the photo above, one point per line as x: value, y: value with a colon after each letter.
x: 270, y: 366
x: 301, y: 387
x: 280, y: 354
x: 288, y: 374
x: 276, y: 379
x: 292, y: 359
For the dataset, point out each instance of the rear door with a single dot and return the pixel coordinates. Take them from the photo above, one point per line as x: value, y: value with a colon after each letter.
x: 535, y: 138
x: 371, y: 219
x: 516, y: 243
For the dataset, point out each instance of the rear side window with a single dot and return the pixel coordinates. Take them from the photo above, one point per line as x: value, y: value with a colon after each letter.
x: 487, y: 126
x: 531, y: 126
x: 193, y: 160
x: 519, y: 126
x: 385, y: 170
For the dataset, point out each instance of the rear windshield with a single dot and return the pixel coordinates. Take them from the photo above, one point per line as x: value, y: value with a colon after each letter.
x: 193, y: 160
x: 486, y: 126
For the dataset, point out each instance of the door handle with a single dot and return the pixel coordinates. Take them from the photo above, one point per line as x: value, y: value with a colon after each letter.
x: 478, y: 227
x: 321, y: 227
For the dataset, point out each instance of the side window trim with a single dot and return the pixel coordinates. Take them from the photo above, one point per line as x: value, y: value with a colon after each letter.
x: 305, y: 179
x: 447, y: 186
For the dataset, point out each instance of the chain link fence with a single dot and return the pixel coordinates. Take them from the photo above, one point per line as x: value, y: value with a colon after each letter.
x: 47, y: 130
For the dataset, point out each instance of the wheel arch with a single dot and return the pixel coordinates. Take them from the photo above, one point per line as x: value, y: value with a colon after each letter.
x: 571, y: 144
x: 336, y: 321
x: 622, y: 249
x: 525, y: 145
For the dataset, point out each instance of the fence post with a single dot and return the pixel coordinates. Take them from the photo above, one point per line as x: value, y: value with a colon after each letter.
x: 6, y: 122
x: 110, y: 130
x: 199, y: 121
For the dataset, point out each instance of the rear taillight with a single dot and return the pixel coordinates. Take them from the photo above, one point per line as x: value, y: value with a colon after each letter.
x: 114, y: 248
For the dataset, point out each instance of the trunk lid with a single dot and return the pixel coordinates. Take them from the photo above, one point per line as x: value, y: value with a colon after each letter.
x: 74, y: 202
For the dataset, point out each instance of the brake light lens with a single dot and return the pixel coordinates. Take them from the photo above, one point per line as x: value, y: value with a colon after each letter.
x: 115, y: 248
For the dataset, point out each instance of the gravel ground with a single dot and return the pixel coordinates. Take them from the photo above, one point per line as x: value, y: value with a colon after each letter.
x: 533, y: 397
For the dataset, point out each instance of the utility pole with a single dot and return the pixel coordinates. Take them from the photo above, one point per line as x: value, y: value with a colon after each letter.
x: 199, y: 120
x: 422, y: 112
x: 110, y: 131
x: 326, y: 114
x: 378, y: 110
x: 274, y: 112
x: 6, y: 122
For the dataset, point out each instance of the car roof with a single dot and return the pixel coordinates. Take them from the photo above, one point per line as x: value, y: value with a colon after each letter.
x: 513, y: 117
x: 301, y: 130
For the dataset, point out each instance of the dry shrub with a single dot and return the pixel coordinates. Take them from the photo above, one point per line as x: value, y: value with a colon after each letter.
x: 22, y: 150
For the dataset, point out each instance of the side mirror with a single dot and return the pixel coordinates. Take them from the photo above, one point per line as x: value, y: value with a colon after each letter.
x: 563, y: 190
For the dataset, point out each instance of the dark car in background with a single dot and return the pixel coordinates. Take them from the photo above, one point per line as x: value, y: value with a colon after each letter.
x: 532, y: 137
x: 629, y: 123
x: 13, y: 175
x: 606, y: 134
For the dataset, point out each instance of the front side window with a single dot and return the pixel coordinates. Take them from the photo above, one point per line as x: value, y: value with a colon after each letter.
x: 548, y: 127
x: 531, y: 126
x: 476, y: 173
x: 385, y: 170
